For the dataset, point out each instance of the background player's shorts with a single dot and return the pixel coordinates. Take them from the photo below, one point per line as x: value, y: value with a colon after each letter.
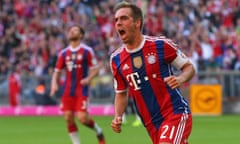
x: 176, y: 130
x: 73, y: 103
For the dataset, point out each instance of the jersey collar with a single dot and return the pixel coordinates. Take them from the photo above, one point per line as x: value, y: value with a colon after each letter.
x: 75, y: 49
x: 138, y: 48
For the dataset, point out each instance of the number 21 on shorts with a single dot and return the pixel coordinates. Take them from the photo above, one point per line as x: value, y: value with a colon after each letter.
x: 167, y: 132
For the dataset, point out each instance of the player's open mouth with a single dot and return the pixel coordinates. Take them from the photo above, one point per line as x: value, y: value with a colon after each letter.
x: 121, y: 32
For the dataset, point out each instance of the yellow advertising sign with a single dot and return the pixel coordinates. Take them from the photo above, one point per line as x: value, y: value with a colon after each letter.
x: 206, y: 99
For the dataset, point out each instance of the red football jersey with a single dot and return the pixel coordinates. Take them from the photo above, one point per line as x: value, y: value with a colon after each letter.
x: 77, y: 63
x: 142, y: 71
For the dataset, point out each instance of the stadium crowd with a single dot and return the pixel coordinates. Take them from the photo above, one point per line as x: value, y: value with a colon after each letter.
x: 33, y: 31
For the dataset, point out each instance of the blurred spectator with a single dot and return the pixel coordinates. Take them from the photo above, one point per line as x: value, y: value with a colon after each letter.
x: 41, y: 94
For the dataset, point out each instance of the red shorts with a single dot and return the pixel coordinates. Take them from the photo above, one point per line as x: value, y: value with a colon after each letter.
x: 74, y: 103
x: 175, y: 130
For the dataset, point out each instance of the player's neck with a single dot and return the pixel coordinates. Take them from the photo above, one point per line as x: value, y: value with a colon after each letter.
x: 75, y: 44
x: 135, y: 42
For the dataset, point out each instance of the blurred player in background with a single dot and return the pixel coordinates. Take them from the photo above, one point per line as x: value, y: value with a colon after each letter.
x: 81, y: 66
x: 14, y: 86
x: 143, y: 66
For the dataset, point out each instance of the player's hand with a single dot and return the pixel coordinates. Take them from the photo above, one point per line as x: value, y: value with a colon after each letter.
x: 85, y: 81
x: 116, y: 124
x: 173, y: 81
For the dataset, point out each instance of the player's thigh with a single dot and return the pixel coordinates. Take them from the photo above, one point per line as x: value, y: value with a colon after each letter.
x: 176, y: 130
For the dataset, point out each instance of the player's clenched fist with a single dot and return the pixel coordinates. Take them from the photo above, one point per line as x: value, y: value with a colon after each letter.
x: 116, y: 124
x: 173, y: 81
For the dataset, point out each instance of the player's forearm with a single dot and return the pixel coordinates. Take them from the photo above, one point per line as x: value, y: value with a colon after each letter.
x: 55, y: 78
x: 54, y: 83
x: 92, y: 73
x: 188, y: 72
x: 121, y: 100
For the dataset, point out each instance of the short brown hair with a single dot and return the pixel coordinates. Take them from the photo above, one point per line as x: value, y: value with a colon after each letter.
x: 136, y: 11
x: 79, y: 27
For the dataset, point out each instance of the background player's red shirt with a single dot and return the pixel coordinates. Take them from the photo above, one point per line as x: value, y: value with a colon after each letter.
x: 77, y: 63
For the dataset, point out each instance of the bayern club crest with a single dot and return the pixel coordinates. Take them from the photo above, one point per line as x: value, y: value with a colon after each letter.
x: 151, y: 58
x: 79, y: 56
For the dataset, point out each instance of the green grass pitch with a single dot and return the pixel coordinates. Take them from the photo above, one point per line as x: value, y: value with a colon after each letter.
x: 52, y: 130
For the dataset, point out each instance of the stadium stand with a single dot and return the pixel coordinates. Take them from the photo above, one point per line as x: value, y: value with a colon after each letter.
x: 32, y: 32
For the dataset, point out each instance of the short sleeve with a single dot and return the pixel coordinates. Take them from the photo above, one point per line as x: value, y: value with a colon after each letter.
x: 60, y: 61
x: 120, y: 84
x: 170, y: 50
x: 92, y: 60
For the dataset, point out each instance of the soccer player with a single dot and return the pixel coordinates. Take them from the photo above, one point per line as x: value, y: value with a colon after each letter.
x: 81, y: 66
x: 14, y: 86
x: 143, y: 66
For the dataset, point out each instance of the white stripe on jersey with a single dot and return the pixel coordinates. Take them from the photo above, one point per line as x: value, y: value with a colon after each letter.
x: 87, y: 48
x: 115, y: 87
x: 116, y: 52
x: 162, y: 38
x: 181, y: 128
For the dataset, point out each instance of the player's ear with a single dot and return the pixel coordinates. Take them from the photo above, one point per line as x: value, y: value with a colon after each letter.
x: 81, y: 36
x: 138, y: 23
x: 82, y: 32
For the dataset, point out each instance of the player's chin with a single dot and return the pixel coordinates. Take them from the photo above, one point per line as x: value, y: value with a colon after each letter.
x: 123, y: 37
x: 124, y: 40
x: 73, y: 38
